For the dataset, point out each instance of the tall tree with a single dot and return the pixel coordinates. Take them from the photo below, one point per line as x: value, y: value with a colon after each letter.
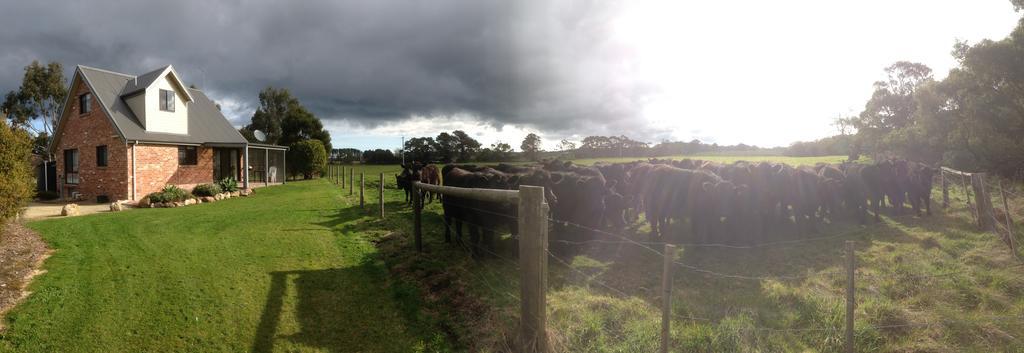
x: 284, y: 120
x: 447, y: 147
x: 566, y: 145
x: 43, y: 90
x: 467, y: 146
x: 531, y: 146
x: 892, y: 105
x: 421, y: 149
x: 275, y: 103
x: 299, y: 124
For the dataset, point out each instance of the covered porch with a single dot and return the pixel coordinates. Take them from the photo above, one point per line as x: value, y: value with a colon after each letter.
x: 265, y: 165
x: 254, y: 165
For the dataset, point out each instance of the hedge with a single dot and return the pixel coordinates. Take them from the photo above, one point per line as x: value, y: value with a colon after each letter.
x: 17, y: 184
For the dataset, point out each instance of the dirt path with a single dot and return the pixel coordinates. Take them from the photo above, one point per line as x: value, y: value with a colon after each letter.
x: 22, y: 253
x: 36, y: 210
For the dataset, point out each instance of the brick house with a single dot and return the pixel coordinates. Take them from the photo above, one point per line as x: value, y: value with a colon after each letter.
x: 121, y: 137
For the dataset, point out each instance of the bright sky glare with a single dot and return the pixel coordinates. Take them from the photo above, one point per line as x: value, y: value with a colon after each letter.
x: 766, y: 73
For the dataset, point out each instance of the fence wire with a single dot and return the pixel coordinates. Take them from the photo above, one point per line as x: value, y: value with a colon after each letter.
x: 592, y: 279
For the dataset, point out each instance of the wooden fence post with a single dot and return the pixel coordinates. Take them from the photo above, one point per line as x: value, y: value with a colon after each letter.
x: 362, y: 189
x: 533, y: 264
x: 850, y: 304
x: 982, y: 202
x: 1009, y: 222
x: 666, y: 292
x: 417, y: 213
x: 945, y: 189
x: 381, y: 186
x: 967, y: 196
x: 342, y: 177
x: 351, y: 181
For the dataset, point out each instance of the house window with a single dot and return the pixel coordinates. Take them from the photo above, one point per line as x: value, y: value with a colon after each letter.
x: 101, y: 156
x: 85, y: 103
x: 166, y: 100
x: 71, y: 166
x: 187, y: 155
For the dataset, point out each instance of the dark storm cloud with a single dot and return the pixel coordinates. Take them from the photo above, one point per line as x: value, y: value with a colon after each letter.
x: 547, y: 65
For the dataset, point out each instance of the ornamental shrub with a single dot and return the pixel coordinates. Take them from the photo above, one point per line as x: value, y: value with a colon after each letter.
x: 206, y: 190
x: 228, y: 184
x: 170, y: 193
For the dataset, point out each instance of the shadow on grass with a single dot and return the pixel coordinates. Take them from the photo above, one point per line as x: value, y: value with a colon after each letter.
x: 334, y: 313
x: 349, y: 309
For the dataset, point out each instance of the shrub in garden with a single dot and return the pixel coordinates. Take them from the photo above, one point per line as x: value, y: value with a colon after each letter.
x: 175, y: 193
x: 206, y: 190
x: 17, y: 183
x: 228, y: 184
x: 307, y: 157
x: 170, y: 193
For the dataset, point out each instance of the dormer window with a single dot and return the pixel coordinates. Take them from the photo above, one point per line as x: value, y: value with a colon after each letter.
x: 85, y: 103
x: 166, y: 100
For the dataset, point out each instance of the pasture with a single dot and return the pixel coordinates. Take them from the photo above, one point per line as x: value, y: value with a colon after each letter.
x: 931, y: 283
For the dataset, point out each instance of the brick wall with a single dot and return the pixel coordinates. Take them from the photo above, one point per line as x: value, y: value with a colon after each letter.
x: 158, y: 167
x: 84, y: 132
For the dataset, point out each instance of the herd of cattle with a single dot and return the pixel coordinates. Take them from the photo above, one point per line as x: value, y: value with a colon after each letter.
x: 739, y: 203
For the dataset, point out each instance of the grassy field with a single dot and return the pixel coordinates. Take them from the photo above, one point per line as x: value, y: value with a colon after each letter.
x: 302, y: 268
x: 924, y: 284
x: 283, y: 271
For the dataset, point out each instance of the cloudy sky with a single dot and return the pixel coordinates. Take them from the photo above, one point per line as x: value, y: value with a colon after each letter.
x: 759, y: 72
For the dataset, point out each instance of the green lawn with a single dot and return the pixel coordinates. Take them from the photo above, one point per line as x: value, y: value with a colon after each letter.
x: 293, y: 268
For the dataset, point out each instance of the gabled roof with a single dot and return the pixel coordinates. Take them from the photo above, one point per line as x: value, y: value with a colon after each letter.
x: 142, y: 82
x: 206, y: 124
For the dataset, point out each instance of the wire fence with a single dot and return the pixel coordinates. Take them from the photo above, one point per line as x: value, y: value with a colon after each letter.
x: 593, y: 279
x: 494, y: 279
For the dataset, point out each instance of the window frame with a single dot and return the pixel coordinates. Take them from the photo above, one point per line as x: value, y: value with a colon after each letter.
x: 72, y: 163
x: 187, y: 158
x: 85, y: 103
x: 167, y: 98
x: 102, y: 162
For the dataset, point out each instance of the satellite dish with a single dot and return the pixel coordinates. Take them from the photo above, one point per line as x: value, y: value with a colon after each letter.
x: 260, y: 136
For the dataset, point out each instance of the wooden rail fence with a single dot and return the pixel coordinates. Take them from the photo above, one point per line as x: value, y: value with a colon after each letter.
x: 982, y: 209
x: 533, y: 250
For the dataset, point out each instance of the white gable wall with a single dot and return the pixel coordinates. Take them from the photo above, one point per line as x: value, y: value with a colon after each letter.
x: 156, y: 120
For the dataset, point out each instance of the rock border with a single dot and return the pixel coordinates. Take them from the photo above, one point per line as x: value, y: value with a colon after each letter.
x: 195, y: 200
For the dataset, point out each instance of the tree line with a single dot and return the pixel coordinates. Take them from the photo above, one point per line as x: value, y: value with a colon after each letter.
x: 973, y: 119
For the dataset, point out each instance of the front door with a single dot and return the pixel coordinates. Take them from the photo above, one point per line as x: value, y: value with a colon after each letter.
x: 225, y: 163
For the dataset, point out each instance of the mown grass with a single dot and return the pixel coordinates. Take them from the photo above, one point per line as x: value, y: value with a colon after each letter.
x: 924, y: 284
x: 291, y: 269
